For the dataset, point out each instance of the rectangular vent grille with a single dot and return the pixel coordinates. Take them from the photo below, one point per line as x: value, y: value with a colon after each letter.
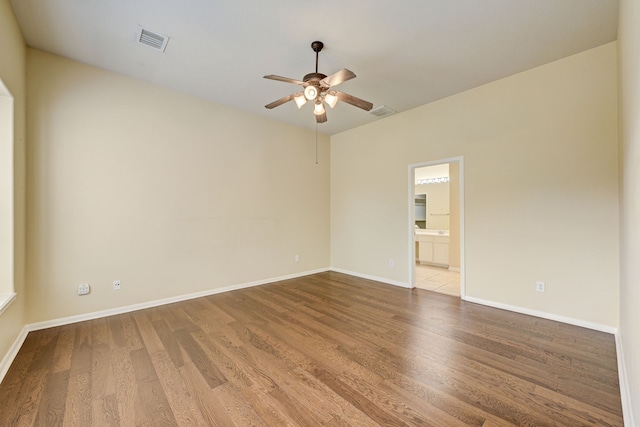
x: 382, y: 111
x: 155, y: 40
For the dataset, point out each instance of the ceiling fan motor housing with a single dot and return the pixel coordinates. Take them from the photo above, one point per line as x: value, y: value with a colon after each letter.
x: 313, y: 78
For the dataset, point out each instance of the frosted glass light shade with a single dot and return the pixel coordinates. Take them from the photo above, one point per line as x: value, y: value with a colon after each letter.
x: 310, y: 92
x: 331, y: 99
x: 300, y: 99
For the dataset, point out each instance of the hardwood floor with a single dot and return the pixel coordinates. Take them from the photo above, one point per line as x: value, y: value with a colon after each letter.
x: 327, y: 349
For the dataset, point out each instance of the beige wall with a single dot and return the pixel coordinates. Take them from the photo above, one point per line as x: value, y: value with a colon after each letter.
x: 12, y: 156
x: 540, y: 182
x: 629, y: 57
x: 437, y: 204
x: 166, y: 192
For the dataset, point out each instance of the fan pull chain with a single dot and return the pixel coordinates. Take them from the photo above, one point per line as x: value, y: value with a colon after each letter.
x: 316, y: 143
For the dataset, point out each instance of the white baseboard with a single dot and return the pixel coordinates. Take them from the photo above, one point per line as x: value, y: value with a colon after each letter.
x: 624, y: 386
x: 164, y: 301
x: 625, y: 396
x: 13, y: 351
x: 369, y: 277
x: 544, y: 315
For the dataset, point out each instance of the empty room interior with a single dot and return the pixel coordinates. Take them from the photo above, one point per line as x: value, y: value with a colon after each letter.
x: 174, y: 253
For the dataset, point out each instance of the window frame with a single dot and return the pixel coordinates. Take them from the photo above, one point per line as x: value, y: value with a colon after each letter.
x: 7, y: 287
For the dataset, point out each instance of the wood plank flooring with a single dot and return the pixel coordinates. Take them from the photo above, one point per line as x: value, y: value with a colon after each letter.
x: 322, y: 350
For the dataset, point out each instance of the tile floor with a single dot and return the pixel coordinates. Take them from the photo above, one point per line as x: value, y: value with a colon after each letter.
x: 437, y: 279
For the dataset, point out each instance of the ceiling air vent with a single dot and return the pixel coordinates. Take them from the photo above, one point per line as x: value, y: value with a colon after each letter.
x: 155, y: 40
x: 382, y: 111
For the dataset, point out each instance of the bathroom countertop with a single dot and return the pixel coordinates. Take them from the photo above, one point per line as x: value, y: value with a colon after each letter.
x: 429, y: 232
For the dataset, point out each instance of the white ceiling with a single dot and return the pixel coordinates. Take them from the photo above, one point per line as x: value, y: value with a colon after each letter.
x: 405, y: 53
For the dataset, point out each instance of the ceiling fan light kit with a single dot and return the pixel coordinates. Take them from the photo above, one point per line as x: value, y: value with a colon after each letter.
x: 311, y: 92
x: 331, y: 99
x: 300, y: 99
x: 317, y: 89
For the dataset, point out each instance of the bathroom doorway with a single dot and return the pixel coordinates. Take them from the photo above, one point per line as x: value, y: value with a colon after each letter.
x: 436, y: 198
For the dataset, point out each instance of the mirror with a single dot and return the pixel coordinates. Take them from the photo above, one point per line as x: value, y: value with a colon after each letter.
x: 421, y: 210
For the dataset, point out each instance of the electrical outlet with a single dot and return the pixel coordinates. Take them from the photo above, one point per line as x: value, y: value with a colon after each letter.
x: 116, y: 285
x: 540, y: 286
x: 84, y: 289
x: 297, y: 258
x: 392, y: 263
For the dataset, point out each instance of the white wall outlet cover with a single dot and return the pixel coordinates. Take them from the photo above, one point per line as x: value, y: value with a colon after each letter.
x: 84, y: 289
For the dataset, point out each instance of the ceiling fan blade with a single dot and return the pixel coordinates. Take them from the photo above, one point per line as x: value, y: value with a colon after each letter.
x: 285, y: 79
x: 321, y: 118
x: 280, y: 101
x: 350, y: 99
x: 337, y: 78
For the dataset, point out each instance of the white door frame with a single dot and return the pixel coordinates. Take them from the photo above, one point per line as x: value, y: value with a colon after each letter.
x: 412, y: 214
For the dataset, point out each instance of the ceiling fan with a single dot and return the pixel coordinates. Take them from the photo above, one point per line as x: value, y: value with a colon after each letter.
x: 318, y: 89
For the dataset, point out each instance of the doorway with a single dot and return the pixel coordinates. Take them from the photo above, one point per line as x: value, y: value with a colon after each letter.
x: 436, y: 226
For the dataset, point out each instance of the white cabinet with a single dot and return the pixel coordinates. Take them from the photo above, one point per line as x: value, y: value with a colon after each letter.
x: 425, y: 250
x: 433, y: 249
x: 441, y: 252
